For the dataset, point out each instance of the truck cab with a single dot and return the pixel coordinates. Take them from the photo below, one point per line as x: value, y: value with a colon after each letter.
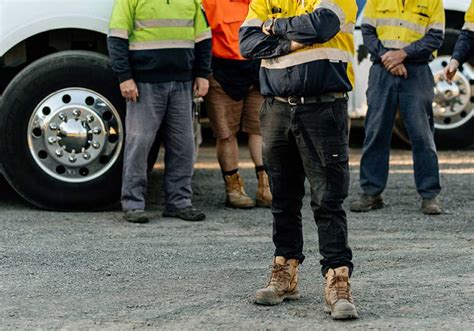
x: 62, y: 115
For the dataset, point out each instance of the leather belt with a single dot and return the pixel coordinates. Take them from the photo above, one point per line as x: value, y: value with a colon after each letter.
x: 328, y: 97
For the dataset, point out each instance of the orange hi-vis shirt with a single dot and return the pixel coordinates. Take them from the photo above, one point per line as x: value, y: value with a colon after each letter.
x: 225, y: 18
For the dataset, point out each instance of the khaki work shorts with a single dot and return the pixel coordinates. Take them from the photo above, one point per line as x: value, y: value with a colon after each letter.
x: 227, y: 116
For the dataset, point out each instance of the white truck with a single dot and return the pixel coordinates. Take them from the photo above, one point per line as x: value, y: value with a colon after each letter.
x: 61, y: 113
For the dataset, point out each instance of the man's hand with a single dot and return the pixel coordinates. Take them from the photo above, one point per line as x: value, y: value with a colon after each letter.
x: 295, y: 46
x: 391, y: 59
x: 267, y: 26
x: 129, y: 90
x: 400, y: 70
x: 450, y: 70
x: 200, y: 87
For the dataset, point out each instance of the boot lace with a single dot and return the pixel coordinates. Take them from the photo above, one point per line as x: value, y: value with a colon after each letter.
x: 280, y: 273
x: 342, y: 288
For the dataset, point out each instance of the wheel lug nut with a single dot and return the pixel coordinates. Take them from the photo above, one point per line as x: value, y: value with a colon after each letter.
x: 53, y: 126
x: 52, y: 140
x: 95, y: 145
x: 72, y: 158
x: 59, y: 152
x: 62, y: 117
x: 90, y: 118
x: 86, y: 156
x: 76, y: 112
x: 96, y: 130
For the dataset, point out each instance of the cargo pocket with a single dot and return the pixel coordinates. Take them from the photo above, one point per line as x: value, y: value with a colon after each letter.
x: 336, y: 168
x: 335, y: 152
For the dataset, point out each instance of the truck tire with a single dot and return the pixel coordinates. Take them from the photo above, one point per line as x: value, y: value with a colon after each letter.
x: 61, y: 132
x: 453, y: 104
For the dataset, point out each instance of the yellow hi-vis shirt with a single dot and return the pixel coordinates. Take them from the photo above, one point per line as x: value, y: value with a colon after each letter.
x: 469, y: 19
x: 400, y: 23
x: 340, y: 48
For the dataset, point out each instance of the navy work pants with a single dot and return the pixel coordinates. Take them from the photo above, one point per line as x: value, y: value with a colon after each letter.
x: 413, y: 97
x: 168, y: 105
x: 308, y: 141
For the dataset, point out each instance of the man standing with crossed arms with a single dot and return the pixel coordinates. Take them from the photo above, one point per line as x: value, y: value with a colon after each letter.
x: 307, y: 50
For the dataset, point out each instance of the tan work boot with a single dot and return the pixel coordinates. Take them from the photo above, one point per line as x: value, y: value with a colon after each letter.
x: 235, y: 194
x: 264, y: 196
x: 338, y: 294
x: 283, y: 284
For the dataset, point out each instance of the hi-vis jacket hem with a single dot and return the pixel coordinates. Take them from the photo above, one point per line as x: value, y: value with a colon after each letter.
x: 468, y: 26
x: 297, y: 58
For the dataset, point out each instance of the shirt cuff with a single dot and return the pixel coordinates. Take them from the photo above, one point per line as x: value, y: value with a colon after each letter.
x: 410, y: 50
x: 124, y: 76
x: 202, y: 73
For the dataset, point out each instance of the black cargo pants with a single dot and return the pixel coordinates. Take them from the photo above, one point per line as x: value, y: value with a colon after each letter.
x: 308, y: 141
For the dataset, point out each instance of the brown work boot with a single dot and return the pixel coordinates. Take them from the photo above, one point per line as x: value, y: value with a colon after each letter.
x: 367, y: 203
x: 431, y: 206
x: 264, y: 196
x: 283, y: 284
x: 235, y: 194
x: 338, y: 294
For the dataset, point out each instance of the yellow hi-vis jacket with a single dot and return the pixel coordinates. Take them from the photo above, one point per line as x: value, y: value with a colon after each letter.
x: 400, y: 23
x: 469, y: 19
x: 159, y: 41
x: 464, y: 48
x: 324, y: 65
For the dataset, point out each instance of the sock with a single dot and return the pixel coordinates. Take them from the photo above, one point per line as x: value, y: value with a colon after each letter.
x: 229, y: 173
x: 258, y: 169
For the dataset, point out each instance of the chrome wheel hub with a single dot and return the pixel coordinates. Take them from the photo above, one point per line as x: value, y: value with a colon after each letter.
x: 452, y: 105
x: 75, y: 135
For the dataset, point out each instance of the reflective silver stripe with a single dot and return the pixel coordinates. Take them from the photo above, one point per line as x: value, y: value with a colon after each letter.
x: 253, y: 22
x: 328, y: 4
x: 348, y: 28
x: 119, y: 33
x: 468, y: 26
x: 315, y: 54
x: 370, y: 21
x: 398, y: 44
x: 435, y: 26
x: 397, y: 23
x: 165, y: 22
x: 161, y: 44
x: 203, y: 36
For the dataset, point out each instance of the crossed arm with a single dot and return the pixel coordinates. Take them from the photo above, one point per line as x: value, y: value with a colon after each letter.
x: 263, y: 41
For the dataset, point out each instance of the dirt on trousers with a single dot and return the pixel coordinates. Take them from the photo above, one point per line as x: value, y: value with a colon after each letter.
x: 95, y: 271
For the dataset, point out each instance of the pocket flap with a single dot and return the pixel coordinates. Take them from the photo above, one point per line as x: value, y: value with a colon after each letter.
x: 387, y: 6
x: 336, y: 152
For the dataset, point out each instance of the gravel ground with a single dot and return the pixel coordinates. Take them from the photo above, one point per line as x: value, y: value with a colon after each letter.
x: 95, y: 271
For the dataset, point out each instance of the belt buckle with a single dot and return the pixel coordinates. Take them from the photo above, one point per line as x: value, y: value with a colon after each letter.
x: 293, y: 101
